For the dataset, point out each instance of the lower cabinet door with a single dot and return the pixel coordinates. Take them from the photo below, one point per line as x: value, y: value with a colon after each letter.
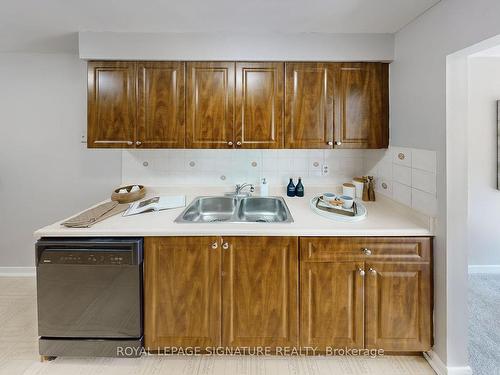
x: 398, y: 306
x: 260, y: 292
x: 331, y: 312
x: 182, y: 283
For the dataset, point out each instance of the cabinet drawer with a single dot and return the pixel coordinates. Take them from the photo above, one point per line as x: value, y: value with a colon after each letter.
x: 401, y: 249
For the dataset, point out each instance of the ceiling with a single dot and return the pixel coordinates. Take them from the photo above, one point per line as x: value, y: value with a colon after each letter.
x: 490, y: 52
x: 52, y: 25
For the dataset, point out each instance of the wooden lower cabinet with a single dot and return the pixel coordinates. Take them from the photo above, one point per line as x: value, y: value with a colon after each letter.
x: 212, y: 291
x: 182, y: 299
x: 331, y: 299
x: 373, y: 293
x: 260, y: 292
x: 244, y: 292
x: 398, y: 306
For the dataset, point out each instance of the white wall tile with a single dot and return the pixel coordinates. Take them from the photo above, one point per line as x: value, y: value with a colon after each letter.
x: 424, y: 159
x: 424, y: 202
x: 383, y: 186
x: 401, y: 174
x: 385, y: 170
x: 401, y: 193
x: 401, y: 156
x: 425, y: 181
x: 173, y: 166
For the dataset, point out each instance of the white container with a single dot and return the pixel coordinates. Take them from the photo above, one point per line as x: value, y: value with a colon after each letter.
x: 349, y: 190
x: 264, y: 188
x: 359, y: 188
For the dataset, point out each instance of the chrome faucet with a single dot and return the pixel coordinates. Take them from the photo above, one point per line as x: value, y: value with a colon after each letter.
x: 238, y: 190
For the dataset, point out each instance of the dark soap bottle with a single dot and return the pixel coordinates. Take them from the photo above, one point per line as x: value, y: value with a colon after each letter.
x: 299, y: 189
x: 290, y: 189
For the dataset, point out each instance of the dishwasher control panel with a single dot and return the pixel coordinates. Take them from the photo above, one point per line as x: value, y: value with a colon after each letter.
x: 86, y: 257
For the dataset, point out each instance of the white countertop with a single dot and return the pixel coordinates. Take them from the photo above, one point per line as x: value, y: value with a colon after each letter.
x: 385, y: 218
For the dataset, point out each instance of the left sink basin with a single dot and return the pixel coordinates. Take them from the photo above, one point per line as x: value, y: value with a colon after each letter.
x: 208, y: 210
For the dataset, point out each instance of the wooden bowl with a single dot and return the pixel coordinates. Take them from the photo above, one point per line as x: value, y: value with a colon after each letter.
x: 128, y: 197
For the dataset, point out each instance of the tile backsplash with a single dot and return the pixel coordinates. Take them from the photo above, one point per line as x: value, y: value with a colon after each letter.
x: 403, y: 174
x: 228, y: 167
x: 407, y: 175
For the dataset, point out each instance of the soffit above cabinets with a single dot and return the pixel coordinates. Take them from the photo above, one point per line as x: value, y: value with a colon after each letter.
x: 52, y: 25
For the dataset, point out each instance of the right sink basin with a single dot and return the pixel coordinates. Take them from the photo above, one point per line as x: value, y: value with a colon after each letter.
x: 264, y: 210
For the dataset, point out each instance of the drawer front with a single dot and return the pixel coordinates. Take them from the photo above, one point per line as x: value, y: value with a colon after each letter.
x: 399, y: 249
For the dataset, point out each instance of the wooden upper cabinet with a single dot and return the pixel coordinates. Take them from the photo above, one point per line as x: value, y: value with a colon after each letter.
x: 260, y: 292
x: 111, y: 107
x: 259, y: 105
x: 361, y: 105
x: 182, y: 281
x: 331, y: 305
x: 161, y: 97
x: 398, y: 306
x: 308, y: 105
x: 210, y: 105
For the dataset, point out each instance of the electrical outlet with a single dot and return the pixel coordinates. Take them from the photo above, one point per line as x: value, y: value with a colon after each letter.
x: 324, y: 169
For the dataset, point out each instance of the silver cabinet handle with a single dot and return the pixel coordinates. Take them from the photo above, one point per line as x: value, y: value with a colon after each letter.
x: 338, y: 143
x: 361, y: 272
x: 114, y: 142
x: 225, y: 246
x: 229, y: 143
x: 138, y: 143
x: 329, y: 143
x: 238, y: 143
x: 367, y: 251
x: 373, y: 271
x: 215, y: 245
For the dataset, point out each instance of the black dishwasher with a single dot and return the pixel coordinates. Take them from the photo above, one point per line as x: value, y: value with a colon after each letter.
x: 89, y: 296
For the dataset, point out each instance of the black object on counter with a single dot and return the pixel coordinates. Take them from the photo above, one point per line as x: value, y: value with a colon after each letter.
x: 299, y: 189
x: 290, y: 189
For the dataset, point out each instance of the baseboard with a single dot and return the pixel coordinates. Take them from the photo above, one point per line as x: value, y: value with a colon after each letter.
x: 440, y: 368
x: 484, y: 268
x: 17, y: 271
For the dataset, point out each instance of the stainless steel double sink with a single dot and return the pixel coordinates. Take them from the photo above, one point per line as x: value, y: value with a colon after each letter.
x: 228, y: 209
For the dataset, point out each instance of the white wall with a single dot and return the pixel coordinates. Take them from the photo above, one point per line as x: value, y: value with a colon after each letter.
x: 236, y: 46
x: 484, y: 198
x: 418, y: 119
x: 45, y: 172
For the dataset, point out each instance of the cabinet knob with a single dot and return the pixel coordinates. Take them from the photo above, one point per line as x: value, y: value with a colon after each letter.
x: 361, y: 272
x: 138, y: 143
x: 367, y: 251
x: 215, y: 245
x: 229, y: 143
x: 329, y: 143
x: 225, y: 246
x: 238, y: 143
x: 372, y: 271
x: 338, y: 143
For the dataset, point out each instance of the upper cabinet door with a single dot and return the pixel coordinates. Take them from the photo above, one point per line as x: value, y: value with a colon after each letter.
x: 259, y: 105
x: 210, y: 105
x: 161, y: 105
x: 260, y: 292
x: 361, y: 105
x: 308, y: 105
x: 111, y: 106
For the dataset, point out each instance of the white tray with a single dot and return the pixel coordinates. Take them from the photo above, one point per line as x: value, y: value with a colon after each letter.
x: 337, y: 217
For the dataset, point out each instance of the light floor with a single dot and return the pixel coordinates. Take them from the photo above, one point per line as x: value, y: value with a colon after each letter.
x: 19, y: 352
